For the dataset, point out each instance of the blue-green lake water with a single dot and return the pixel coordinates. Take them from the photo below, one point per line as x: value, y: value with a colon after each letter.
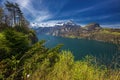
x: 82, y: 47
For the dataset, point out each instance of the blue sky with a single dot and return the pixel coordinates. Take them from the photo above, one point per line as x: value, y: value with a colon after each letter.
x: 49, y: 12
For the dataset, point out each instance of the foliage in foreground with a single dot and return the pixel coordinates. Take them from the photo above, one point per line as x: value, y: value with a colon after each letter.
x: 66, y: 68
x: 40, y: 63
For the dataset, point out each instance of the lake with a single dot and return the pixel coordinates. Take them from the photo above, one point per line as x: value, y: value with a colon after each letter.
x: 104, y: 52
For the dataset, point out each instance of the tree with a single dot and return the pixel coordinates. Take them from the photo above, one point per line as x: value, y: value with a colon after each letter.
x: 14, y: 43
x: 16, y: 18
x: 15, y: 12
x: 19, y: 14
x: 1, y: 15
x: 10, y: 8
x: 13, y: 46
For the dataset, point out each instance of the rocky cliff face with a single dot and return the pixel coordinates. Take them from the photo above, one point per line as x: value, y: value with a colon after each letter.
x: 68, y: 28
x: 93, y: 26
x: 91, y: 31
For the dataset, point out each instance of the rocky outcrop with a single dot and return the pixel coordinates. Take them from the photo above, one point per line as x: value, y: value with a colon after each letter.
x: 92, y: 26
x: 91, y: 31
x: 68, y: 28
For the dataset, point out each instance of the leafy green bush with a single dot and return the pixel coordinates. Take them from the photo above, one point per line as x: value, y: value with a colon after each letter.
x: 13, y: 42
x: 65, y: 68
x: 13, y: 45
x: 19, y: 60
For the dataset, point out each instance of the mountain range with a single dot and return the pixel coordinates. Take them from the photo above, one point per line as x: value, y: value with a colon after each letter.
x: 91, y: 31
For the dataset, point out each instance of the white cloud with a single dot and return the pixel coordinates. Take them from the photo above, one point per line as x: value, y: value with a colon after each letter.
x: 111, y: 25
x: 29, y: 10
x: 85, y: 9
x: 39, y: 16
x: 89, y: 8
x: 48, y: 23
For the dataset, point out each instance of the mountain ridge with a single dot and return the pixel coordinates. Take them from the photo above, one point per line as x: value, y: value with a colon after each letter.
x: 92, y: 31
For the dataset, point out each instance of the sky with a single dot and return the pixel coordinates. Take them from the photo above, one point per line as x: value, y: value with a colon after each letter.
x: 50, y: 12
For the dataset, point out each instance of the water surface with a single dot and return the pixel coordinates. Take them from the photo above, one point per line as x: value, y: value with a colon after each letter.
x: 82, y: 47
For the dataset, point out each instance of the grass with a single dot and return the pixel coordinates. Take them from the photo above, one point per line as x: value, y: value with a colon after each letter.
x: 1, y: 35
x: 68, y: 69
x: 110, y: 32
